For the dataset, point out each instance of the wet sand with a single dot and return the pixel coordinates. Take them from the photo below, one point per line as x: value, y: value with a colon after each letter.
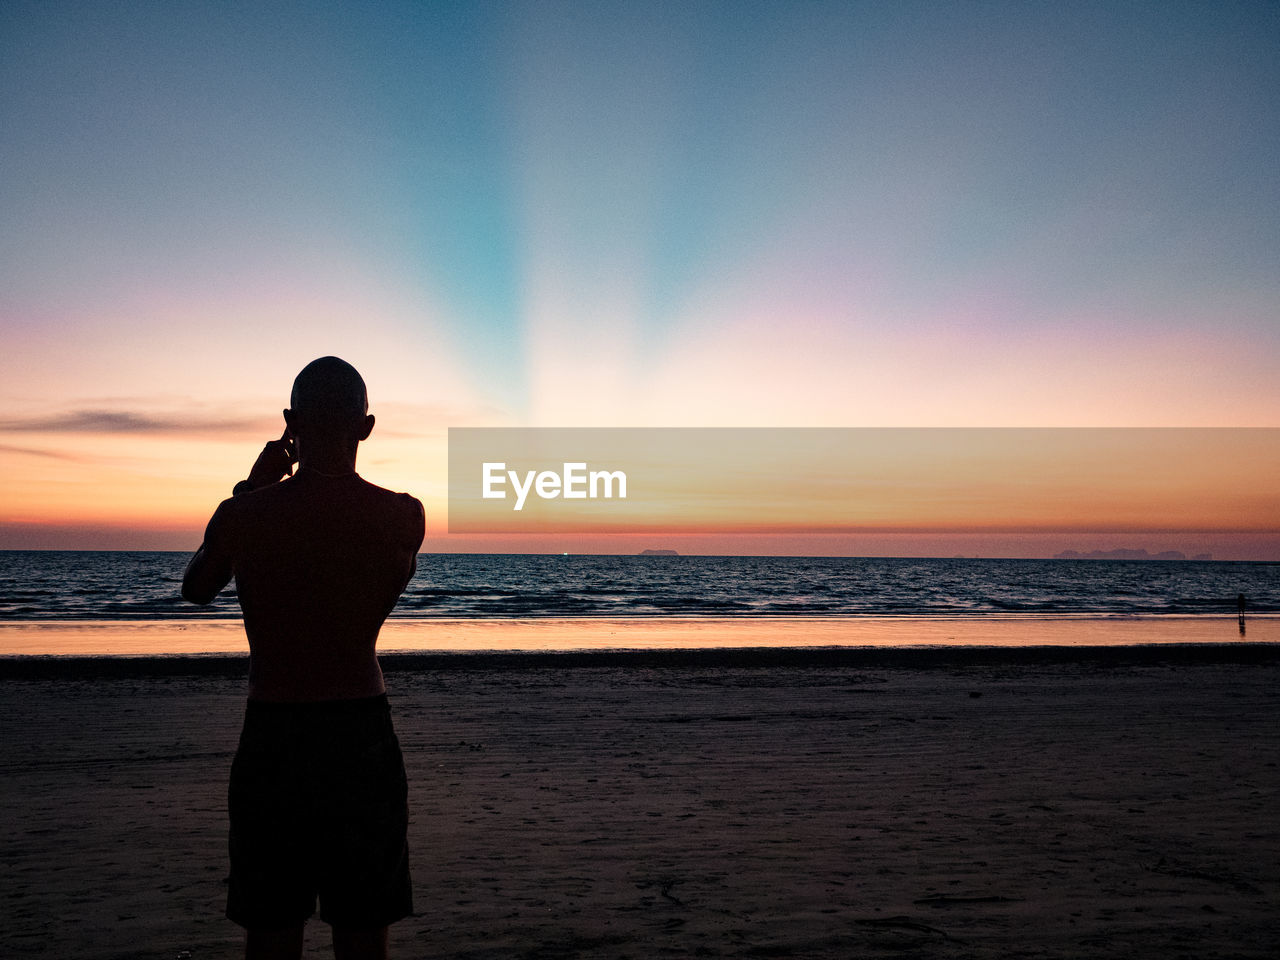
x: 997, y: 803
x: 96, y: 638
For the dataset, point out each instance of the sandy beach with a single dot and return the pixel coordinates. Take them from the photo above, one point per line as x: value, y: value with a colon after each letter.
x: 992, y: 803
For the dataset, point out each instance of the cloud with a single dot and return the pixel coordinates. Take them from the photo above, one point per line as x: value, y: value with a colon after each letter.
x: 133, y: 422
x: 400, y: 420
x: 33, y: 452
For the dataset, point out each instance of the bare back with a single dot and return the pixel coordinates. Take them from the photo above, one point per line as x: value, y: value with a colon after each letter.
x: 319, y: 563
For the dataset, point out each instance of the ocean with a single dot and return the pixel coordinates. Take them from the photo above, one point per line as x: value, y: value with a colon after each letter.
x: 40, y: 585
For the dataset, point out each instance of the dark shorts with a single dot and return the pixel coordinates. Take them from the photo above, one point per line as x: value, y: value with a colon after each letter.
x: 319, y: 807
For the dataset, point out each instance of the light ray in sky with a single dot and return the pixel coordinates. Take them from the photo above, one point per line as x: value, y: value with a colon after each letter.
x: 619, y: 214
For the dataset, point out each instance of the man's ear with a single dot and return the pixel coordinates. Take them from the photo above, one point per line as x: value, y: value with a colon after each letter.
x: 367, y: 427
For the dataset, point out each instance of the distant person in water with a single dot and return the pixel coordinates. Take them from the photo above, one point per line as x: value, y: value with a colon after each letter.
x: 318, y: 795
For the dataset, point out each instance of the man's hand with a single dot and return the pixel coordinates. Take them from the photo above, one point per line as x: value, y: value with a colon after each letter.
x: 274, y: 462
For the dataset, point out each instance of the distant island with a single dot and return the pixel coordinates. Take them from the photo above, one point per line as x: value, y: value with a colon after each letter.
x: 658, y: 553
x: 1126, y: 554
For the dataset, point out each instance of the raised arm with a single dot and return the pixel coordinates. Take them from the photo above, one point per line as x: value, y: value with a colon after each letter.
x: 211, y: 568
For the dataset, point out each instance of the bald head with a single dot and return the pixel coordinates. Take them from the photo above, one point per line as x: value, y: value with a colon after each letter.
x: 329, y: 397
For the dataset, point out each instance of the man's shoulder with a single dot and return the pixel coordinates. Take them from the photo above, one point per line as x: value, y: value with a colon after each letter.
x: 222, y: 528
x: 252, y: 503
x: 406, y: 508
x: 391, y: 496
x: 226, y: 510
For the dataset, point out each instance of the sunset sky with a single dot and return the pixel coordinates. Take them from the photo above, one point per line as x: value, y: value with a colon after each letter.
x: 618, y: 214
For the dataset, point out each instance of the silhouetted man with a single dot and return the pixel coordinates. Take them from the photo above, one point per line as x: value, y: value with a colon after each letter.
x: 318, y: 796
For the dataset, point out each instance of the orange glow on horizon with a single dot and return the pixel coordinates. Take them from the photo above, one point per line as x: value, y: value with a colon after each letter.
x: 157, y: 492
